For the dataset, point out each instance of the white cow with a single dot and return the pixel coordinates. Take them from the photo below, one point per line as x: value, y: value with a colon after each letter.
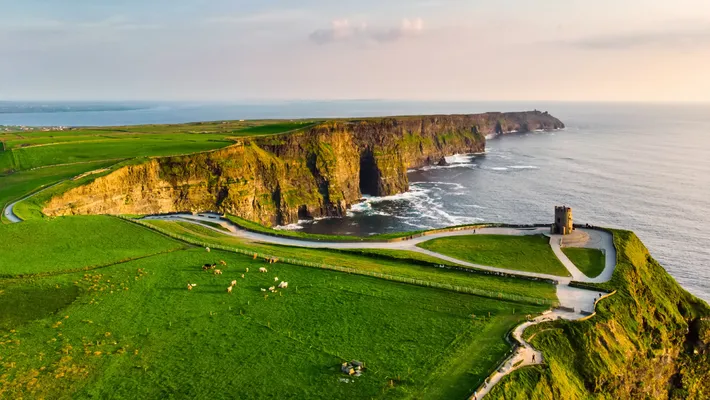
x: 262, y: 269
x: 283, y: 285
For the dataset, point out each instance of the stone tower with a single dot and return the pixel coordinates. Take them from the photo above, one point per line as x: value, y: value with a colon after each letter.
x: 563, y: 221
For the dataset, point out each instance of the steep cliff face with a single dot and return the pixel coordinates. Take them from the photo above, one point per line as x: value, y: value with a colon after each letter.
x: 280, y: 179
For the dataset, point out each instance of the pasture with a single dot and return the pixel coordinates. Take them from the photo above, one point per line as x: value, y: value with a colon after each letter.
x: 522, y: 253
x: 33, y: 149
x: 397, y: 263
x: 590, y: 261
x: 75, y: 243
x: 133, y: 330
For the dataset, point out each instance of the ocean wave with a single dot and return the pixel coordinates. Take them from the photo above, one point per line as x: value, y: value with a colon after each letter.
x: 291, y: 227
x: 523, y: 167
x: 435, y: 183
x: 459, y: 158
x: 498, y: 168
x: 462, y: 165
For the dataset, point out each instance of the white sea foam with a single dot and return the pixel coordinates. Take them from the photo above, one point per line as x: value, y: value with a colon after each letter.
x: 457, y: 186
x: 291, y: 227
x: 462, y: 165
x: 458, y: 159
x: 498, y: 168
x: 523, y: 167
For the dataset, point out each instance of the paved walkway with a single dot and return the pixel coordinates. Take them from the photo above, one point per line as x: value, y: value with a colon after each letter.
x: 9, y: 214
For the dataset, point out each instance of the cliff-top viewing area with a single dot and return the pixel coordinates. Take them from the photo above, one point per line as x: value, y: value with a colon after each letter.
x: 143, y: 262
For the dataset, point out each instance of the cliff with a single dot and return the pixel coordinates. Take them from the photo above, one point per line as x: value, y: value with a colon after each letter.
x: 650, y: 340
x: 279, y: 179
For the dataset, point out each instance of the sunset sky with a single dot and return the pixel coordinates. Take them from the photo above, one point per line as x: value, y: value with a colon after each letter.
x: 581, y: 50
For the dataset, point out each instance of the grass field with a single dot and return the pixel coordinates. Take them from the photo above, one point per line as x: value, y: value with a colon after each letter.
x: 590, y: 261
x: 132, y: 330
x: 74, y: 243
x: 522, y: 253
x: 402, y: 267
x: 33, y: 149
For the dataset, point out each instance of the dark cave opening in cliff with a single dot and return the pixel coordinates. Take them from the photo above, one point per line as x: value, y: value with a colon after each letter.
x: 369, y: 174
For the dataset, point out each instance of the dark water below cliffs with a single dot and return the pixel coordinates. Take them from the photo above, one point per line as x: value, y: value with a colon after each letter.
x: 639, y: 167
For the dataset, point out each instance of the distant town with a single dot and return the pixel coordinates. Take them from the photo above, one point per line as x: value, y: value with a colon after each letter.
x: 22, y: 128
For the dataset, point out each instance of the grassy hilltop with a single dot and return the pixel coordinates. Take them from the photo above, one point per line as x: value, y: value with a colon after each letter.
x: 649, y: 340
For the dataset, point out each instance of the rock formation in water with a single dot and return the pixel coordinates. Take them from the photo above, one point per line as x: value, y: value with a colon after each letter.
x: 280, y: 179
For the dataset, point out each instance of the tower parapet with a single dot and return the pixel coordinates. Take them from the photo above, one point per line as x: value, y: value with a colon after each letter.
x: 564, y: 224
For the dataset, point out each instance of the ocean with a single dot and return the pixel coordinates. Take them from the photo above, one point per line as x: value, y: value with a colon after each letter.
x: 642, y: 167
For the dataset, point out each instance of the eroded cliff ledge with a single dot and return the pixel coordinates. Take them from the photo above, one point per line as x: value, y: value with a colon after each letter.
x: 279, y: 179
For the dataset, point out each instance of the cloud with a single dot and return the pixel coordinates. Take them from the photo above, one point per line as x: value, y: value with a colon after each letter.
x: 670, y: 39
x: 343, y: 30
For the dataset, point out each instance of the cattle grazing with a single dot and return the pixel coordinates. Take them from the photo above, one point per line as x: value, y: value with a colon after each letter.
x: 263, y: 290
x: 234, y: 282
x: 283, y: 285
x: 208, y: 249
x: 191, y: 285
x: 247, y: 270
x: 222, y: 262
x: 242, y: 276
x: 218, y: 272
x: 262, y: 269
x: 276, y: 278
x: 229, y: 290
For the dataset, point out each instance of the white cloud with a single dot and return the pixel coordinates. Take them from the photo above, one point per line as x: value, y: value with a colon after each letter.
x: 344, y: 30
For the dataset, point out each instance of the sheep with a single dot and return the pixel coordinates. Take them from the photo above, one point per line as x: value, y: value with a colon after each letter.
x: 218, y: 272
x: 247, y: 270
x: 208, y: 249
x: 191, y: 285
x: 262, y: 269
x: 242, y: 276
x: 223, y: 262
x: 263, y: 290
x: 234, y: 282
x: 276, y: 278
x: 283, y: 285
x: 272, y: 288
x: 229, y: 290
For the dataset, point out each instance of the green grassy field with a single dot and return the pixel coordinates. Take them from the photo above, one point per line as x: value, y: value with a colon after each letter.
x: 33, y: 149
x: 74, y: 243
x: 402, y: 267
x: 131, y: 329
x: 522, y: 253
x: 590, y: 261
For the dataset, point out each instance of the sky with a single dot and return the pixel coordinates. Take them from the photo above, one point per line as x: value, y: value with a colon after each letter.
x: 227, y: 50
